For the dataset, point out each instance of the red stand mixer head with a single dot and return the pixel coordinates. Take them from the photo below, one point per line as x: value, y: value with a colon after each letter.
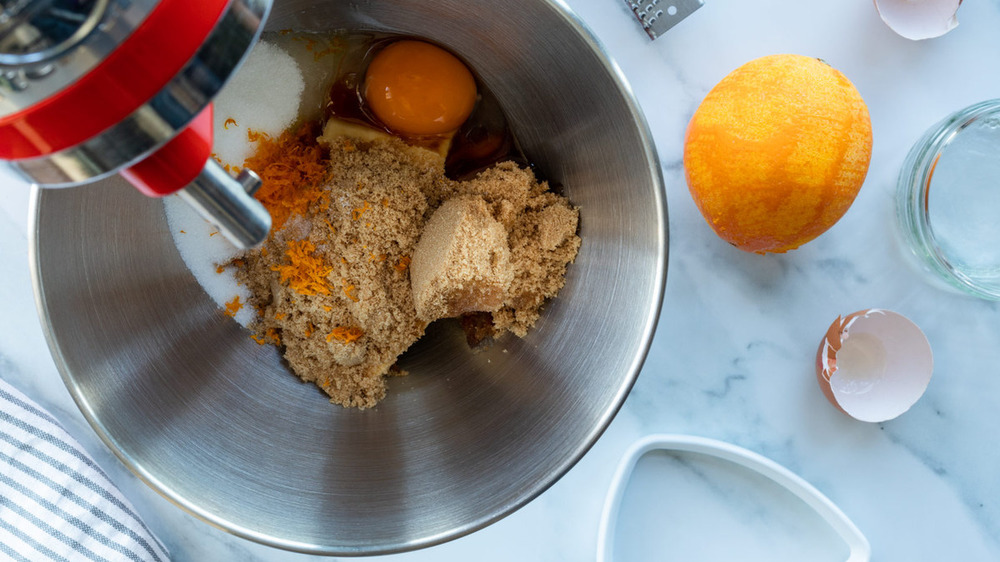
x: 90, y: 88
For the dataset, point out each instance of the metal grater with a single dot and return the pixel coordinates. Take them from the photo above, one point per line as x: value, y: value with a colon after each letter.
x: 657, y: 16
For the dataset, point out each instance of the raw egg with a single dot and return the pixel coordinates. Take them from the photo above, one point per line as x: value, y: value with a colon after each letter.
x: 416, y: 88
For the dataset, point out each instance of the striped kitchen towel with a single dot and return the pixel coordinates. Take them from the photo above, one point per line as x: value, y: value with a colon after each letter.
x: 55, y: 502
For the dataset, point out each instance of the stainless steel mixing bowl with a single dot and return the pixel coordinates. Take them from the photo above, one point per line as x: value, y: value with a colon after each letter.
x: 218, y: 425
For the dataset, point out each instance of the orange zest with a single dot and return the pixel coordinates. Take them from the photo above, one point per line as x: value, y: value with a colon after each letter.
x: 402, y: 264
x: 309, y: 41
x: 304, y: 273
x: 272, y: 335
x: 348, y: 291
x: 327, y: 51
x: 345, y: 335
x: 292, y: 169
x: 357, y: 213
x: 233, y: 306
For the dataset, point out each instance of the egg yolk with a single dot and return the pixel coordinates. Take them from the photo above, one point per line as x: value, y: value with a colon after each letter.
x: 416, y: 88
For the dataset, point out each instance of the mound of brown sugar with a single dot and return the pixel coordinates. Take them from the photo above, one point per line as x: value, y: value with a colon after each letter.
x: 461, y: 263
x: 541, y: 232
x: 333, y: 287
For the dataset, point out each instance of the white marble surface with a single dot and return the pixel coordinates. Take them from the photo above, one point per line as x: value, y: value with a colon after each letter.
x: 733, y: 354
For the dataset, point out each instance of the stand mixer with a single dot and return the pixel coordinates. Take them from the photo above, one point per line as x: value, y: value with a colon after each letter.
x: 90, y: 88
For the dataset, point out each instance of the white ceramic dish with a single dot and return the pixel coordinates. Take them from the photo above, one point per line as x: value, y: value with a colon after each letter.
x: 860, y: 550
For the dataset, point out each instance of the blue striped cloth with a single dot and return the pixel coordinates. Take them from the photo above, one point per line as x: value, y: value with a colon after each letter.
x: 55, y: 502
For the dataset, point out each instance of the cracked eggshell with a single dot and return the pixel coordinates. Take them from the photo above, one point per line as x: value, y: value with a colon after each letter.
x: 919, y: 19
x: 874, y: 364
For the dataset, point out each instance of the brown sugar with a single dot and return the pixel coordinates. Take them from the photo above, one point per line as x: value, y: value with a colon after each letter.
x: 461, y: 263
x: 333, y: 285
x: 541, y: 234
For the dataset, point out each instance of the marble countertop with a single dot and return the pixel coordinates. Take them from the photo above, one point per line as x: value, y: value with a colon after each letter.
x: 733, y: 353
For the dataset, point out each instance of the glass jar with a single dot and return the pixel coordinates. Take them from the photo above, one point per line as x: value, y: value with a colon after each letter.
x: 948, y: 200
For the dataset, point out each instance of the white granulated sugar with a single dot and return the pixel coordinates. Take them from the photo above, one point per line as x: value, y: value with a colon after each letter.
x: 263, y: 95
x: 203, y: 252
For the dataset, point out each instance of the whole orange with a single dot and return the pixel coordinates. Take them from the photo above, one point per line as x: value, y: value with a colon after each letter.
x: 777, y: 151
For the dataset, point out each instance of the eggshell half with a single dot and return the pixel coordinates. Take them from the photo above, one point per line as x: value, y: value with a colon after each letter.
x: 874, y: 364
x: 919, y: 19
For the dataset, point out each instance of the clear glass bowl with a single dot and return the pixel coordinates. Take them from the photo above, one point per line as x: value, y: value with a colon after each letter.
x: 948, y: 200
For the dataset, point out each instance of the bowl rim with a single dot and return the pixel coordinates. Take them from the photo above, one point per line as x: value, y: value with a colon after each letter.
x: 650, y: 322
